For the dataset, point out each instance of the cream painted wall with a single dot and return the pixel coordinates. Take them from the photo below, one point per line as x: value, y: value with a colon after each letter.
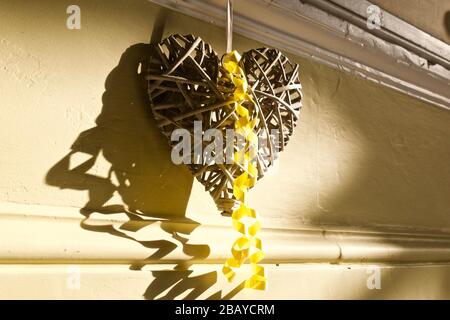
x: 362, y: 154
x: 73, y: 108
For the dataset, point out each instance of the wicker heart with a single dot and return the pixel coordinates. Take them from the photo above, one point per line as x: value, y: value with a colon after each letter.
x: 183, y: 76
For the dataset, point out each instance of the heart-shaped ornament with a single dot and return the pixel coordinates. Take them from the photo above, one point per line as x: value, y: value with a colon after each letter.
x: 185, y: 87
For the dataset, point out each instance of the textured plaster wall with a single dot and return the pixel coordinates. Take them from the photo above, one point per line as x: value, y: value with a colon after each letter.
x: 76, y: 131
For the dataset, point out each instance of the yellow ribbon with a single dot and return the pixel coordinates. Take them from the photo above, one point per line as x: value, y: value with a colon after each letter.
x: 245, y: 220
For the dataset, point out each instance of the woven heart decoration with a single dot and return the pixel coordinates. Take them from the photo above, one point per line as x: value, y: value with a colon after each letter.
x: 257, y: 95
x: 183, y: 80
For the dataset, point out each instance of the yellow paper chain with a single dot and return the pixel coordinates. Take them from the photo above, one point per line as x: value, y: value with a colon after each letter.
x: 245, y: 220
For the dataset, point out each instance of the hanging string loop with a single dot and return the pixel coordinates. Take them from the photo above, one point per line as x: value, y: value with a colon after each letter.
x: 229, y: 26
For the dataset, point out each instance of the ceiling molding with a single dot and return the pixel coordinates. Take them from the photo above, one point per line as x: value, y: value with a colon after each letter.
x: 392, y: 29
x: 397, y: 55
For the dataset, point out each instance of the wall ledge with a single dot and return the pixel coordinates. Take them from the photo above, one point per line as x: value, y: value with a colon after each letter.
x: 33, y: 234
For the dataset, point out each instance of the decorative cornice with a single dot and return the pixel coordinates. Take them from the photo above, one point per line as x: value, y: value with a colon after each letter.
x: 397, y: 55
